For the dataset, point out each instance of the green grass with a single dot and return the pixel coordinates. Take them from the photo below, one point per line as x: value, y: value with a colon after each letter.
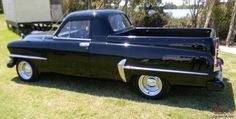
x: 58, y: 97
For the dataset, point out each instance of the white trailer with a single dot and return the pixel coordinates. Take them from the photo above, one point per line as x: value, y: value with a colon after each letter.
x: 1, y: 8
x: 25, y: 14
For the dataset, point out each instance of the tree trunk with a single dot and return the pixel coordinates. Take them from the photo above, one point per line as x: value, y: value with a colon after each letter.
x: 195, y: 12
x: 88, y: 4
x: 104, y: 4
x: 117, y: 3
x: 231, y: 27
x: 125, y: 6
x: 100, y: 6
x: 211, y: 3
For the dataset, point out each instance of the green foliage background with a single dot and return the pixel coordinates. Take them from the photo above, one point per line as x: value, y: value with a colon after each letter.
x: 135, y: 10
x: 221, y: 18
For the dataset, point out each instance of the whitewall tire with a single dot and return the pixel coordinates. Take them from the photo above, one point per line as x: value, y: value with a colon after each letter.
x: 27, y: 71
x: 152, y: 87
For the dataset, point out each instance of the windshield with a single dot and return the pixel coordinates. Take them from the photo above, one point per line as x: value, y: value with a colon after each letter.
x: 119, y: 22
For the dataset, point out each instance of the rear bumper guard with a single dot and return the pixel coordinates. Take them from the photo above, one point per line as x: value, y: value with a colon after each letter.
x: 217, y: 83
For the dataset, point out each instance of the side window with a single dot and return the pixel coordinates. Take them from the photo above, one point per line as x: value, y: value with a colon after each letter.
x: 75, y: 29
x: 65, y: 31
x: 79, y: 29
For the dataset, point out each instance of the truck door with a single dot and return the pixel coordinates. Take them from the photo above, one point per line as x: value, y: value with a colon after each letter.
x: 106, y: 53
x: 107, y: 50
x: 69, y: 48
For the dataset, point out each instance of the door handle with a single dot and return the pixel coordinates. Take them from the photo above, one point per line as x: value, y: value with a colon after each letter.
x: 84, y: 44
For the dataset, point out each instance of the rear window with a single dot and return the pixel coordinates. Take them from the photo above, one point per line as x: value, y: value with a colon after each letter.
x: 119, y: 22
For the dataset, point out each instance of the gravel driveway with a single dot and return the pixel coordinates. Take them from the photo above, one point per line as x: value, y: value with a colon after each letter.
x: 228, y: 49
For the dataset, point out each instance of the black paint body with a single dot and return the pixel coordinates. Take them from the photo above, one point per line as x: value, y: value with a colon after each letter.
x: 165, y: 48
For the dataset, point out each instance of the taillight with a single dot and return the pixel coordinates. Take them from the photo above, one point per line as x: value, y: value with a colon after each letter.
x: 217, y: 64
x: 217, y: 45
x: 217, y: 61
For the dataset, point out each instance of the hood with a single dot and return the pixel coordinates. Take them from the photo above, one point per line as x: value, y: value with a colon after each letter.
x: 39, y: 35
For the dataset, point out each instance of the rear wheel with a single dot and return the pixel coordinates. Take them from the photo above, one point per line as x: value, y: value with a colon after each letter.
x: 27, y: 71
x: 152, y: 87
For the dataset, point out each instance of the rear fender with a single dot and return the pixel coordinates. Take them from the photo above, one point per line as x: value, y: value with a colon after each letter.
x: 173, y: 76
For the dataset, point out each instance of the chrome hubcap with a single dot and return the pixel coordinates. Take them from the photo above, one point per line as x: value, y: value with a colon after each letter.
x: 150, y: 85
x: 25, y: 70
x: 151, y: 82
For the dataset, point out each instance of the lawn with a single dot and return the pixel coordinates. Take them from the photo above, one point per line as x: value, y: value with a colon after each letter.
x: 58, y: 97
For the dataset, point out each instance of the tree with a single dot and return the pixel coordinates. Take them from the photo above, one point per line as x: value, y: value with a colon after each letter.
x: 231, y: 27
x: 149, y: 13
x: 210, y: 3
x: 170, y: 5
x: 108, y: 4
x: 134, y: 8
x: 125, y: 6
x: 74, y: 5
x: 196, y: 9
x: 104, y: 4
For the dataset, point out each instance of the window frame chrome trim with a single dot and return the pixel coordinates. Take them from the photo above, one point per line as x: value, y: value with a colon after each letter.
x: 74, y: 39
x: 27, y: 57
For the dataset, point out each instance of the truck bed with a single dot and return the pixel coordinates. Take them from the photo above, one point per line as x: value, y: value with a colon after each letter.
x: 168, y: 32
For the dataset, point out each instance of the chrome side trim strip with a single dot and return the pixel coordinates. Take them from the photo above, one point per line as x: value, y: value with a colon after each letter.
x: 121, y: 66
x: 164, y: 70
x: 76, y: 39
x: 27, y: 57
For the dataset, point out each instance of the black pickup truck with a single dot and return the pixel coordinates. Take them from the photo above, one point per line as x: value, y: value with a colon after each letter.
x: 105, y: 44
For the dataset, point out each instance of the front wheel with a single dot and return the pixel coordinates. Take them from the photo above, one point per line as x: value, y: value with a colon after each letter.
x: 152, y: 87
x: 27, y: 71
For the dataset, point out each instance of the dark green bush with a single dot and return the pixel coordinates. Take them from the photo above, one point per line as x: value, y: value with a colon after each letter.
x: 155, y: 20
